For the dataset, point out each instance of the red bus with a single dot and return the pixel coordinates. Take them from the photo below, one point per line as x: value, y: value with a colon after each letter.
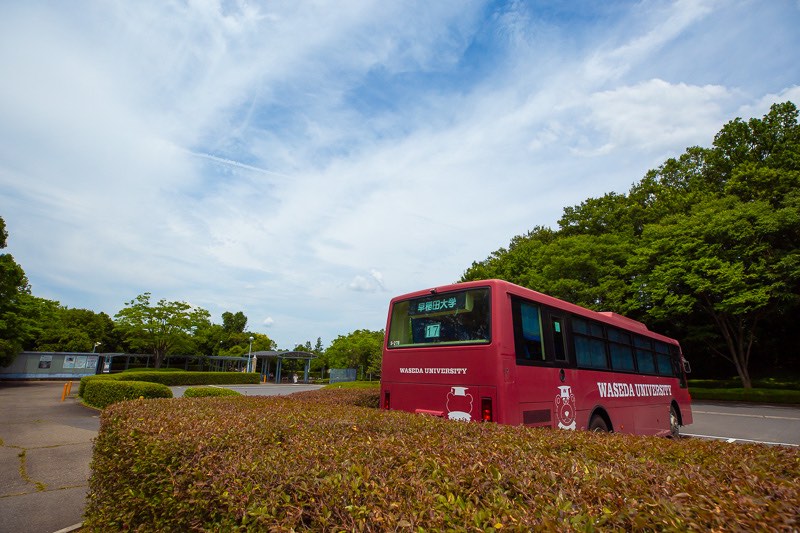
x: 494, y: 351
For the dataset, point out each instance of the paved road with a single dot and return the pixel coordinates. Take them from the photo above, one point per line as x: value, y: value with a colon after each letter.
x: 733, y: 421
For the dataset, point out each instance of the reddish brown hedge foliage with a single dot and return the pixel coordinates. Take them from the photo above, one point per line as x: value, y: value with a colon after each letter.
x: 277, y: 464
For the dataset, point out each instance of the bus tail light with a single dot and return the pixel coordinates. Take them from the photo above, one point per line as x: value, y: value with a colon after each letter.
x: 386, y: 401
x: 486, y: 410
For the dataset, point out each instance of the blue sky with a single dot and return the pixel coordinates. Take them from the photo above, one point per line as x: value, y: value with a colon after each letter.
x: 304, y: 162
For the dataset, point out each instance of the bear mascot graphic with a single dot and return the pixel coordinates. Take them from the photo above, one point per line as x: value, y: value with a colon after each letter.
x: 565, y: 408
x: 459, y: 404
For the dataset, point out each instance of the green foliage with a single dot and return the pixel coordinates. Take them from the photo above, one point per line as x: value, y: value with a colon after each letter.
x: 234, y: 322
x: 238, y: 344
x: 764, y: 390
x: 220, y: 464
x: 74, y: 330
x: 755, y: 395
x: 207, y: 392
x: 361, y: 349
x: 102, y: 393
x: 99, y: 377
x: 173, y: 379
x: 724, y: 259
x: 146, y: 369
x: 16, y: 324
x: 362, y: 395
x: 159, y: 328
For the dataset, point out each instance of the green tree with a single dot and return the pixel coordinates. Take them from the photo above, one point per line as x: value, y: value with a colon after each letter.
x: 159, y: 328
x: 726, y: 260
x: 74, y: 330
x: 209, y: 339
x: 234, y: 322
x: 361, y: 349
x: 584, y: 269
x: 238, y: 344
x: 16, y: 305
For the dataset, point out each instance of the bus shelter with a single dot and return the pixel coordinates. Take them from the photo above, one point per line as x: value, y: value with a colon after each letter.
x: 267, y: 365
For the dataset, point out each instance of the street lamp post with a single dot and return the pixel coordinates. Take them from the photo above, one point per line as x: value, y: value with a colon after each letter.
x: 96, y: 344
x: 250, y: 356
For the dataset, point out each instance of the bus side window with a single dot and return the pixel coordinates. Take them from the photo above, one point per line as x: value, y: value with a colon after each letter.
x: 644, y: 355
x: 590, y: 346
x: 621, y: 351
x: 527, y: 332
x: 664, y: 359
x: 558, y: 338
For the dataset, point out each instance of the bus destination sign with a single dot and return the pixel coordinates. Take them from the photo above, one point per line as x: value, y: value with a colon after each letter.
x: 437, y: 304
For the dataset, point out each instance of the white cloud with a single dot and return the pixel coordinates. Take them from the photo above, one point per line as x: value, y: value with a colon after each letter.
x: 656, y: 115
x: 268, y: 322
x: 371, y: 283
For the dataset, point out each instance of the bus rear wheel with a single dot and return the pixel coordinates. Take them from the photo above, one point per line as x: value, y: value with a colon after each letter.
x: 674, y: 423
x: 598, y: 424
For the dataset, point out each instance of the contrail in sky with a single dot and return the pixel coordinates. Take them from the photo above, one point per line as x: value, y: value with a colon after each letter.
x: 237, y: 164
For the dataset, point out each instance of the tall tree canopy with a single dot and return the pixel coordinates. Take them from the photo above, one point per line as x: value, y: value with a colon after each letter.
x: 706, y: 246
x: 361, y: 349
x: 74, y: 330
x: 159, y: 328
x: 234, y: 322
x: 17, y: 325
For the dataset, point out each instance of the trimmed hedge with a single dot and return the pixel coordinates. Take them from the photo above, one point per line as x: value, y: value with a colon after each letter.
x: 747, y: 395
x: 151, y: 369
x: 786, y: 383
x: 102, y: 393
x: 172, y: 379
x: 285, y: 463
x: 206, y: 392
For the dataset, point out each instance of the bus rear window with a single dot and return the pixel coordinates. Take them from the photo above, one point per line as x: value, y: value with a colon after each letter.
x: 461, y: 317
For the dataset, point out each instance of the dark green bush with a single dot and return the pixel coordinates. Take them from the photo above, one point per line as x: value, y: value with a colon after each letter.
x: 98, y: 377
x: 101, y: 393
x: 285, y: 463
x: 747, y: 395
x: 205, y: 392
x: 172, y: 379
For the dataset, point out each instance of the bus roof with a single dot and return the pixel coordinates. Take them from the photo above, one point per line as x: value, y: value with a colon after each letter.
x: 607, y: 317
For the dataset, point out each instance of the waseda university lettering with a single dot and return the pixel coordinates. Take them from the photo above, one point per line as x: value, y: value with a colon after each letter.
x: 632, y: 390
x: 461, y: 371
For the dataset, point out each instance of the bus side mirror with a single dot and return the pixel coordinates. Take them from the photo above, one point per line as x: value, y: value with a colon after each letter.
x: 687, y: 367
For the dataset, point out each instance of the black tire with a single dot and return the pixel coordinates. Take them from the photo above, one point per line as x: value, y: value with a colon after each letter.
x: 674, y: 423
x: 598, y: 424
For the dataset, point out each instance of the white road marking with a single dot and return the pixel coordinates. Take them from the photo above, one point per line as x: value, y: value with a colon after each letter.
x: 734, y: 439
x: 746, y: 415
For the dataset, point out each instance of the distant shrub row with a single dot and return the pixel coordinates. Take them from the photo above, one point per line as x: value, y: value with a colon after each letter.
x: 747, y: 395
x: 317, y: 462
x: 736, y: 383
x: 207, y: 392
x: 172, y: 379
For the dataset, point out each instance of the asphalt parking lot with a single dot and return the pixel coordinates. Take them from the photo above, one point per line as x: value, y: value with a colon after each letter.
x: 45, y: 451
